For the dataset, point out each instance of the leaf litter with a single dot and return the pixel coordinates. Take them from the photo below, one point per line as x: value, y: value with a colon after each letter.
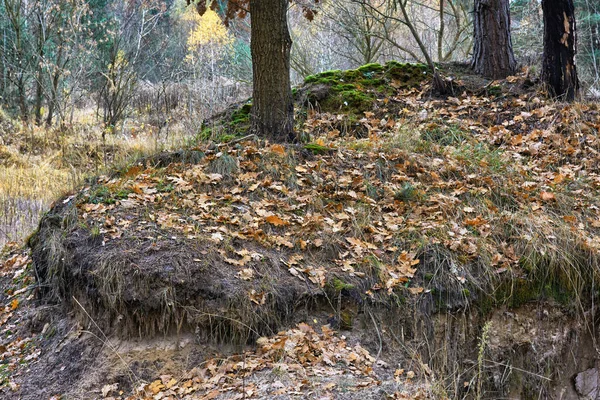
x: 457, y: 179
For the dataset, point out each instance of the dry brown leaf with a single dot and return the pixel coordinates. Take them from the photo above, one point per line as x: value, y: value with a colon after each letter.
x: 246, y: 274
x: 415, y: 290
x: 278, y: 149
x: 477, y: 221
x: 547, y: 196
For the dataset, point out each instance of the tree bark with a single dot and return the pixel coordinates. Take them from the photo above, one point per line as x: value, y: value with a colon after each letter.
x: 39, y: 82
x: 272, y: 108
x: 559, y: 72
x: 493, y: 55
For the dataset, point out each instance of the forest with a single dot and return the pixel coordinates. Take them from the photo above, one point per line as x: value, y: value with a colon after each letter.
x: 118, y: 61
x: 298, y: 199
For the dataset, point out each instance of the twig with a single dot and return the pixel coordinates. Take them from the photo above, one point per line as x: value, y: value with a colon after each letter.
x: 518, y: 369
x: 378, y: 335
x: 237, y: 140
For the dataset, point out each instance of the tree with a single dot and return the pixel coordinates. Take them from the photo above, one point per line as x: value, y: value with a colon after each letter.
x: 270, y: 44
x: 15, y: 11
x: 133, y: 24
x: 272, y: 113
x: 386, y: 14
x: 492, y: 45
x: 559, y: 72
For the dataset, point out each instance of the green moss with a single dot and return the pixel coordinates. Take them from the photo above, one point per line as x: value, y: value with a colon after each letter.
x: 241, y: 115
x: 317, y: 148
x: 225, y: 138
x: 205, y: 134
x: 327, y: 77
x: 494, y: 90
x: 408, y: 74
x: 352, y: 75
x: 520, y: 291
x: 338, y: 285
x: 330, y: 74
x: 350, y: 101
x: 373, y: 82
x: 356, y: 99
x: 370, y: 68
x: 354, y: 91
x: 343, y: 87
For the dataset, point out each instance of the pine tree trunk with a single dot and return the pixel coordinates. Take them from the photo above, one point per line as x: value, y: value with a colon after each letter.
x: 560, y: 45
x: 493, y: 55
x: 273, y: 108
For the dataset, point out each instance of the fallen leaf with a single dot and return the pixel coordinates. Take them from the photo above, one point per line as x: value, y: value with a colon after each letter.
x: 415, y: 290
x: 275, y: 220
x: 106, y: 389
x: 278, y: 149
x: 547, y: 196
x: 246, y: 274
x: 156, y: 386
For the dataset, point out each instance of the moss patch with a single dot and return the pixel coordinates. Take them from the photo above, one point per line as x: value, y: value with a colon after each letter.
x: 355, y: 91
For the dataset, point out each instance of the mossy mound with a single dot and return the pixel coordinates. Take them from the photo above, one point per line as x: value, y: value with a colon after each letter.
x: 223, y: 127
x: 350, y: 92
x: 355, y: 91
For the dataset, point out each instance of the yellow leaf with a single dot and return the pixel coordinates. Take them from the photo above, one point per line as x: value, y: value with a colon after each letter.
x: 171, y: 383
x: 156, y: 386
x: 14, y: 304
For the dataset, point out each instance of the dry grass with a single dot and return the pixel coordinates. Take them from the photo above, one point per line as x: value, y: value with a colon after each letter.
x: 38, y: 165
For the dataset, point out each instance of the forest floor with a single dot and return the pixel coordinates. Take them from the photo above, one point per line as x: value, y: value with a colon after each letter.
x: 413, y: 246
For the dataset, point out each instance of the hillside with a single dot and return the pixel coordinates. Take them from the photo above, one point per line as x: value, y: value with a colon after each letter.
x: 409, y: 246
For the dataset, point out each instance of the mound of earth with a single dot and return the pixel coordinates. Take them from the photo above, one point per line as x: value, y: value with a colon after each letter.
x: 454, y: 238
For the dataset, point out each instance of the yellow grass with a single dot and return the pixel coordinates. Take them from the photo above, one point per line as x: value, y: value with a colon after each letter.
x: 39, y: 166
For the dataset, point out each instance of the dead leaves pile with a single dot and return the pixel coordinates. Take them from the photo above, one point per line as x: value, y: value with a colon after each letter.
x: 517, y: 161
x: 299, y: 361
x: 16, y: 350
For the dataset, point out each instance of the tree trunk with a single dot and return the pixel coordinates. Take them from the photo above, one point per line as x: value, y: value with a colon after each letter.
x: 492, y: 46
x: 55, y: 80
x: 560, y: 45
x: 273, y: 108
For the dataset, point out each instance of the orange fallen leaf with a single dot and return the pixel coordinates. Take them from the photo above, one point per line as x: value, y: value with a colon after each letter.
x: 14, y: 304
x: 478, y: 221
x: 275, y: 220
x: 279, y: 149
